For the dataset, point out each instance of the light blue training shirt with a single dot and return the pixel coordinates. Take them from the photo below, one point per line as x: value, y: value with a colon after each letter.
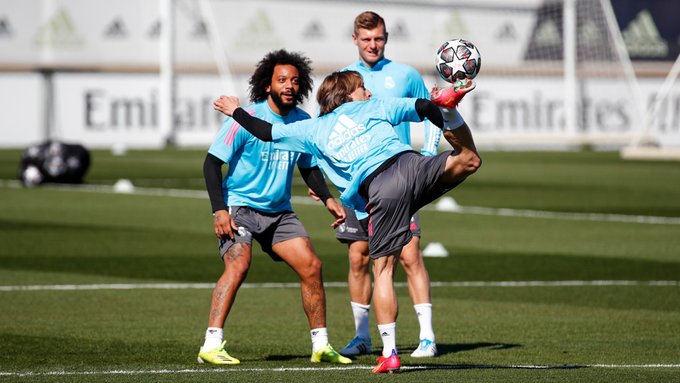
x: 392, y: 79
x: 350, y: 142
x: 259, y: 174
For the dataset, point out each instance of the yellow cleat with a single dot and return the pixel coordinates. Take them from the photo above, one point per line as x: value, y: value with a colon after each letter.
x: 328, y: 354
x: 217, y: 356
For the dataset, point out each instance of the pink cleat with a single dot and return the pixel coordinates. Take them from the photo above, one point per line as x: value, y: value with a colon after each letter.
x: 390, y: 364
x: 449, y: 97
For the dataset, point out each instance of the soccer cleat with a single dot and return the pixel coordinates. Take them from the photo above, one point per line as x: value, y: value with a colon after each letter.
x: 357, y: 346
x: 426, y: 349
x: 449, y: 97
x: 390, y: 364
x: 217, y: 356
x: 328, y: 354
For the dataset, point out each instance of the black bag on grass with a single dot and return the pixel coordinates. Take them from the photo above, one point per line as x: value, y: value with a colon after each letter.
x: 53, y: 161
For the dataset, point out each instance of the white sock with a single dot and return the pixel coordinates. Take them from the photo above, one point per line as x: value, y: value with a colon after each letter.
x: 424, y: 313
x: 213, y: 338
x: 319, y: 338
x: 361, y: 318
x: 388, y: 333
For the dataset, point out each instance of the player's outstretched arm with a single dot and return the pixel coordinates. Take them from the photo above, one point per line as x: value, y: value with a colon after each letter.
x: 257, y: 127
x: 226, y: 104
x: 230, y: 106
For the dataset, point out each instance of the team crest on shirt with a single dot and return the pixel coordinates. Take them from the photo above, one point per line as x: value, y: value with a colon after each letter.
x: 389, y: 82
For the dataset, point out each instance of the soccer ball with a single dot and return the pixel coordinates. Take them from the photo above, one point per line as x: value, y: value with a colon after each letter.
x: 31, y: 176
x: 457, y: 59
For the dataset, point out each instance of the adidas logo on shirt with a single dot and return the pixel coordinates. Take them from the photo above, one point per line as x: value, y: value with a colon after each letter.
x: 344, y: 131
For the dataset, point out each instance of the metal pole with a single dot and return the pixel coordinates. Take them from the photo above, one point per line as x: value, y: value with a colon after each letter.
x: 570, y: 79
x: 217, y: 47
x: 166, y: 87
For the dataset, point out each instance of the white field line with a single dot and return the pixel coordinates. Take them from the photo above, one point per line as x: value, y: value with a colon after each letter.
x: 474, y: 210
x: 295, y: 285
x: 325, y: 369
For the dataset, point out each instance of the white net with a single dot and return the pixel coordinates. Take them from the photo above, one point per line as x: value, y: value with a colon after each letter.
x: 574, y: 86
x: 658, y: 137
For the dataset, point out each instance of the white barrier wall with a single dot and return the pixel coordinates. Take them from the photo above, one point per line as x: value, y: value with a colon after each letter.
x: 102, y: 110
x: 108, y: 105
x: 22, y: 114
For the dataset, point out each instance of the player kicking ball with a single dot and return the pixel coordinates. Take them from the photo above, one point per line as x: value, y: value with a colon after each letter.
x: 355, y: 144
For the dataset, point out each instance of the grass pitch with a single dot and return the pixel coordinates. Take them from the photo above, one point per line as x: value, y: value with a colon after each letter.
x: 99, y: 286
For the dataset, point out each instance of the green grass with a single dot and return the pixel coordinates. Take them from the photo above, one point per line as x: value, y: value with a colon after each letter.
x: 485, y: 333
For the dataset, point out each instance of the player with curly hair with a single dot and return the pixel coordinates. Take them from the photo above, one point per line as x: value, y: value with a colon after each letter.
x: 253, y: 202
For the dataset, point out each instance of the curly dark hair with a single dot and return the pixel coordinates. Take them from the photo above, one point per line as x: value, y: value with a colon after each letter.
x: 262, y: 77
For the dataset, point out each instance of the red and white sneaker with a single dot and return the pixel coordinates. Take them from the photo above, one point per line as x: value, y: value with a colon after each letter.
x: 448, y: 97
x: 390, y: 364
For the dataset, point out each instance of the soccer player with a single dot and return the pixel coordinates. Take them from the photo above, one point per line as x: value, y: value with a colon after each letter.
x: 253, y: 202
x: 355, y: 144
x: 386, y: 78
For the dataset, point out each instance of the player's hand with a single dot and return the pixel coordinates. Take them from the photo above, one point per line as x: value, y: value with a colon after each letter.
x: 226, y: 104
x: 313, y: 195
x: 336, y: 211
x: 224, y: 225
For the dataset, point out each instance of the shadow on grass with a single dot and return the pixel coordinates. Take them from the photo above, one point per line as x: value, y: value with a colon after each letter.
x: 444, y: 348
x: 410, y: 369
x: 284, y: 358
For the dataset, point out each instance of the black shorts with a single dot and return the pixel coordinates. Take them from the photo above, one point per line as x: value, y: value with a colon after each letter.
x: 354, y: 229
x: 267, y: 229
x: 397, y: 193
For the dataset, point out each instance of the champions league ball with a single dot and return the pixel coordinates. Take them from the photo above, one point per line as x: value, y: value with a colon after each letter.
x: 457, y: 59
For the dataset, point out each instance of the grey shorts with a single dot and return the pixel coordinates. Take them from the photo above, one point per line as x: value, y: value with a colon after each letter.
x: 396, y: 194
x: 267, y: 229
x: 354, y: 229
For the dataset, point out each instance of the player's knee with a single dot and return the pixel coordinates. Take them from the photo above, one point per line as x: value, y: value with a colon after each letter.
x: 472, y: 162
x: 237, y: 271
x: 312, y: 268
x: 465, y: 165
x: 409, y: 262
x: 316, y: 264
